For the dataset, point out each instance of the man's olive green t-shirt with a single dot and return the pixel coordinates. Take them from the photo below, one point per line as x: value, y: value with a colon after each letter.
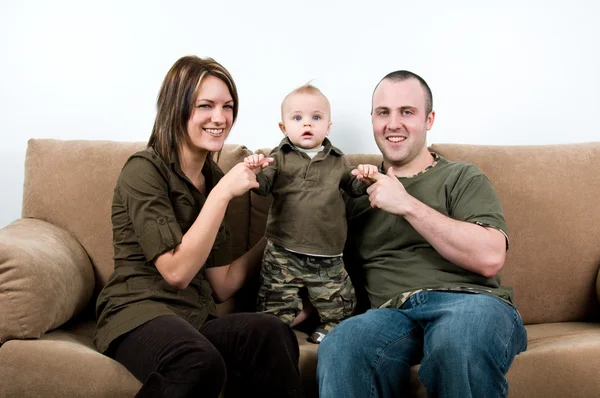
x: 308, y: 214
x: 397, y: 260
x: 154, y: 204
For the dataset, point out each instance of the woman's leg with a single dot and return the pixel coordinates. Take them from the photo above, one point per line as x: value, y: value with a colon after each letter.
x: 261, y: 354
x: 171, y: 358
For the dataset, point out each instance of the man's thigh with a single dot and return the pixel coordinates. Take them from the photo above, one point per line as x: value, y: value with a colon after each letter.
x: 377, y: 348
x: 464, y: 324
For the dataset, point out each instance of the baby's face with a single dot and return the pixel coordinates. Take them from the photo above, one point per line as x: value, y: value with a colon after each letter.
x: 306, y: 119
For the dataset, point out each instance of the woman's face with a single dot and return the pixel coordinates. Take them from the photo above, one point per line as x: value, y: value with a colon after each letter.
x: 211, y: 118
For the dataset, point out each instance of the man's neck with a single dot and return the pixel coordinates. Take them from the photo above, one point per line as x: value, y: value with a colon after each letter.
x: 413, y: 167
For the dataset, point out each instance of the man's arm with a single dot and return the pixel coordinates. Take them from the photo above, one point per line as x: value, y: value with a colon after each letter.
x: 470, y: 246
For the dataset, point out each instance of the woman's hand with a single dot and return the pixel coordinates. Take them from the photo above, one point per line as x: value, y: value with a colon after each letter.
x: 239, y: 180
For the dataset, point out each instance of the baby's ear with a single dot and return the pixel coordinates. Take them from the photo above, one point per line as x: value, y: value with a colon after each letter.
x: 282, y: 128
x: 329, y: 127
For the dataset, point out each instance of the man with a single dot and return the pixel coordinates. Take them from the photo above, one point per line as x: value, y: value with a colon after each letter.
x: 431, y: 239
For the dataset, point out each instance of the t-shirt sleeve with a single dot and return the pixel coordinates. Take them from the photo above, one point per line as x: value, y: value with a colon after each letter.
x: 143, y: 192
x: 351, y: 184
x: 475, y: 200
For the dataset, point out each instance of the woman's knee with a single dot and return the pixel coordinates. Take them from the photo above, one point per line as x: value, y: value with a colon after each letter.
x: 197, y: 362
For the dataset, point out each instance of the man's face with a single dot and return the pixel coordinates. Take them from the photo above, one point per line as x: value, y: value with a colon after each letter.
x: 400, y: 123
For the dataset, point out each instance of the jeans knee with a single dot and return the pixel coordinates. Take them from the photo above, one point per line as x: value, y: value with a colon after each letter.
x: 335, y: 350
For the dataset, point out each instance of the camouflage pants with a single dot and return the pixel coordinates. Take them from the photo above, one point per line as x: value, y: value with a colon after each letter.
x: 283, y: 274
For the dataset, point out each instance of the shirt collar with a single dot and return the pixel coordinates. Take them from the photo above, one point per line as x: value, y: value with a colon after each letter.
x: 327, y: 146
x: 436, y: 159
x: 207, y: 169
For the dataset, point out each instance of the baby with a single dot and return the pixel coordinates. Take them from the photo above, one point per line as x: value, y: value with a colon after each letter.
x: 306, y: 227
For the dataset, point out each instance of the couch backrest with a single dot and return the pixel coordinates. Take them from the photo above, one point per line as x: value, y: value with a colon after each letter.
x: 70, y: 184
x: 550, y: 197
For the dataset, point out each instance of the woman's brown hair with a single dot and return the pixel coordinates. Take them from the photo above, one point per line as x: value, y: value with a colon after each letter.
x: 176, y: 99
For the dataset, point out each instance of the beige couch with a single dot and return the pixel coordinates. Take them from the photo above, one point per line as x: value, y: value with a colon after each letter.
x: 54, y: 260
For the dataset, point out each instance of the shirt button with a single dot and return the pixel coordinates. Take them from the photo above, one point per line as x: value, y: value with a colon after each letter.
x: 162, y: 220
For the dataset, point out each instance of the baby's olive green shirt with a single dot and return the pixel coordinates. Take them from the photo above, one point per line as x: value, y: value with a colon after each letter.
x: 308, y: 214
x: 154, y: 204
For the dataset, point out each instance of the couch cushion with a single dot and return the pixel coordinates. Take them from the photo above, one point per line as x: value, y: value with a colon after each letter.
x: 561, y: 360
x: 62, y: 364
x: 70, y: 184
x: 45, y: 278
x: 550, y: 198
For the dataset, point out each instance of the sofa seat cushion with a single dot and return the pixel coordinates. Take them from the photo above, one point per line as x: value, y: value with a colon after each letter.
x: 45, y: 278
x: 561, y: 360
x: 59, y: 357
x: 62, y: 364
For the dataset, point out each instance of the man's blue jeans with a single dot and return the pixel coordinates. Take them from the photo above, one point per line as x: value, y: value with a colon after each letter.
x: 465, y: 343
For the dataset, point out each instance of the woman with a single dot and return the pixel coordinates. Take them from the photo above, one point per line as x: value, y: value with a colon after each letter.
x: 156, y: 315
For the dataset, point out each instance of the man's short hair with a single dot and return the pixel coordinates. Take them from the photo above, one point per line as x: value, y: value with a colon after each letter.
x: 401, y: 75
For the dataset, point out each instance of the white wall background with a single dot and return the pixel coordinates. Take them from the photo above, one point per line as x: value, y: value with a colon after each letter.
x: 509, y: 72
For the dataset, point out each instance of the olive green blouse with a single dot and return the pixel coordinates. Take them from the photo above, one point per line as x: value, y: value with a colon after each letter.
x: 154, y: 204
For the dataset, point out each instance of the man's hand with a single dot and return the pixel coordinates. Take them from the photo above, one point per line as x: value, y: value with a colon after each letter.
x: 388, y: 194
x: 365, y: 172
x: 257, y: 162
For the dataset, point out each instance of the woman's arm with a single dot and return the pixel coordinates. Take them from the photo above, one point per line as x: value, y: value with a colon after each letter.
x: 227, y: 280
x: 180, y: 265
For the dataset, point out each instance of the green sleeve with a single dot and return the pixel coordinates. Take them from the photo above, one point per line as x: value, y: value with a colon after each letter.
x: 475, y: 200
x: 143, y: 192
x: 349, y: 183
x: 266, y: 178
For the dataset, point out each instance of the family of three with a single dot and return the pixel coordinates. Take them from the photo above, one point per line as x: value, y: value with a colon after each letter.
x: 425, y: 240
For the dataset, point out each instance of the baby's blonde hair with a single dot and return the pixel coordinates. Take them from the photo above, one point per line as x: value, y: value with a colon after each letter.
x: 304, y: 89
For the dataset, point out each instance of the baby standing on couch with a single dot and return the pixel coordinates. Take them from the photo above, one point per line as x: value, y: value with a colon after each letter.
x: 306, y: 227
x: 172, y: 250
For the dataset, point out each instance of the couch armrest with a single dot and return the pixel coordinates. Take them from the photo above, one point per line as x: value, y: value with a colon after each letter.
x: 598, y: 286
x: 45, y: 278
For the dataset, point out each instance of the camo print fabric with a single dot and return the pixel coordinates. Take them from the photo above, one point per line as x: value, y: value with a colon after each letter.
x: 402, y: 298
x: 284, y: 273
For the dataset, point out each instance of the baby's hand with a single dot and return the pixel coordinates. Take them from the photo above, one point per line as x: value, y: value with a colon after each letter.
x: 364, y: 172
x: 257, y: 162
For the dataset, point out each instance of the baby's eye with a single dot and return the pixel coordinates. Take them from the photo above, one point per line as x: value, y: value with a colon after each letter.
x: 316, y: 117
x: 297, y: 118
